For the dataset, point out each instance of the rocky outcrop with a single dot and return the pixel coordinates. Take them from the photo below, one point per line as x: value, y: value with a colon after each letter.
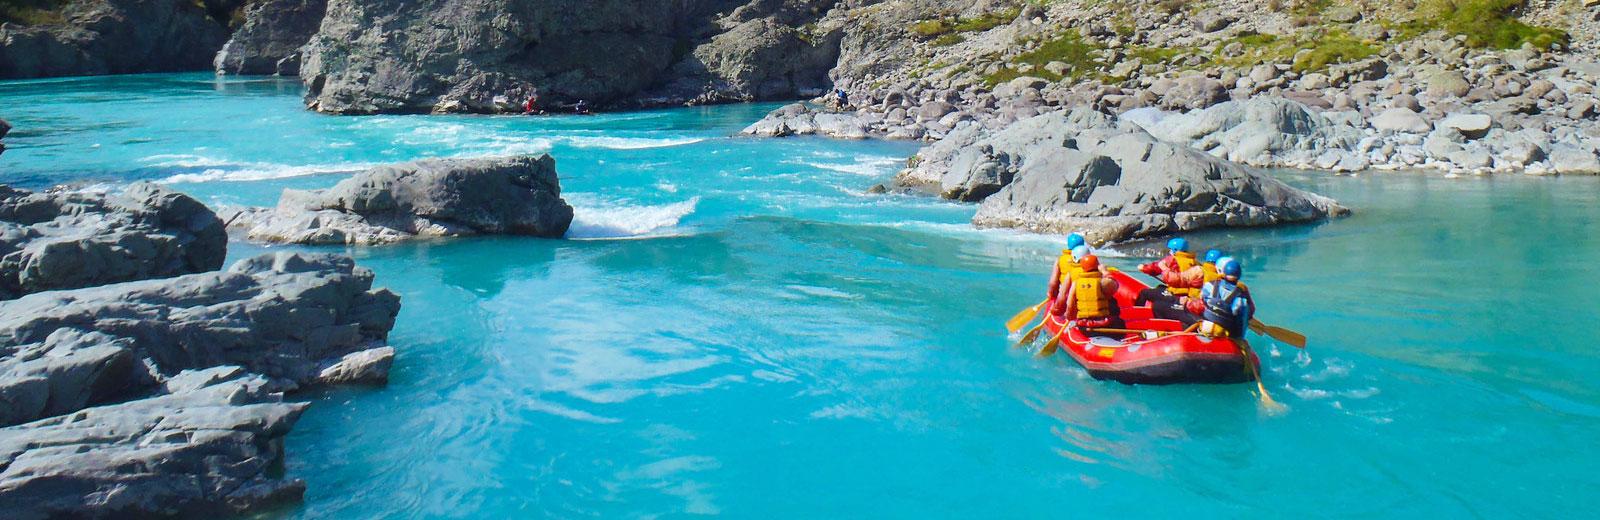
x: 164, y: 397
x: 270, y: 39
x: 1079, y: 171
x: 209, y: 447
x: 69, y: 239
x: 1257, y: 131
x: 285, y: 316
x: 112, y: 37
x: 373, y: 56
x: 5, y: 128
x: 429, y: 198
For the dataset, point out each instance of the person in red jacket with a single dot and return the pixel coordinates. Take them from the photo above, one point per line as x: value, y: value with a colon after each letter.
x: 1181, y: 277
x: 1091, y: 299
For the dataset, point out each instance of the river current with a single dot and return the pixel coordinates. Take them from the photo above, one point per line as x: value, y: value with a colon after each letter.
x: 735, y: 326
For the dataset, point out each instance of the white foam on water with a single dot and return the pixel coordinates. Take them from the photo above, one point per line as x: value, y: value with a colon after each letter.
x: 628, y: 143
x: 865, y: 166
x: 597, y: 219
x: 261, y: 172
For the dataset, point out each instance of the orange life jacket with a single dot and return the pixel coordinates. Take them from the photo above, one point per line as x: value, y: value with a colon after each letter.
x: 1092, y: 303
x: 1212, y: 274
x: 1067, y: 265
x: 1185, y: 261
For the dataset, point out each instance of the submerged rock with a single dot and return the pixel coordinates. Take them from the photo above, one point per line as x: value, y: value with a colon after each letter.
x: 98, y: 37
x: 270, y: 39
x: 428, y: 198
x: 1077, y: 171
x: 69, y: 240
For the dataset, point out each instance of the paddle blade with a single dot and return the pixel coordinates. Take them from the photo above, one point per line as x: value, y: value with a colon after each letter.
x: 1022, y: 318
x: 1292, y: 338
x: 1030, y: 336
x: 1050, y: 346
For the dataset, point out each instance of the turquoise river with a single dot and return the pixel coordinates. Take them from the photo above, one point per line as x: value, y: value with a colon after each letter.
x: 735, y: 327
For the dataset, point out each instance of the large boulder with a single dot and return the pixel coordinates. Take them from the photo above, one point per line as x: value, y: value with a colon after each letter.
x: 72, y: 239
x: 374, y: 56
x: 1068, y: 172
x: 1261, y: 131
x: 270, y: 39
x: 162, y: 398
x: 972, y: 163
x: 112, y: 37
x: 428, y: 198
x: 286, y: 316
x: 212, y: 447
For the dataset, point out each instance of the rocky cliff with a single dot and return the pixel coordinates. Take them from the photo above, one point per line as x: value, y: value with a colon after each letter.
x: 269, y: 40
x: 92, y: 37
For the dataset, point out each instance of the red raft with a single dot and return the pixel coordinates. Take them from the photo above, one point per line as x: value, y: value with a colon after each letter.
x: 1171, y: 358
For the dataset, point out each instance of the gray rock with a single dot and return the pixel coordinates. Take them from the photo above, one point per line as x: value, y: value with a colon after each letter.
x: 1406, y: 101
x: 1212, y: 20
x: 68, y: 240
x: 1400, y: 120
x: 1447, y: 83
x: 1193, y: 93
x: 133, y: 400
x: 460, y: 55
x: 1259, y: 131
x: 428, y: 198
x: 1079, y: 171
x: 112, y: 37
x: 1472, y: 126
x: 1569, y: 159
x: 1342, y: 14
x: 210, y: 448
x: 270, y: 39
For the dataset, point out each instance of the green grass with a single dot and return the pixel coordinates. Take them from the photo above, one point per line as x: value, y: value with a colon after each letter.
x: 946, y: 25
x: 1069, y: 49
x: 1333, y: 47
x: 32, y: 12
x: 1486, y: 23
x: 948, y: 40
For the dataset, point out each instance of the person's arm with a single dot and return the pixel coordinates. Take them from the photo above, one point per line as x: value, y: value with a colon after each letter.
x: 1055, y: 278
x: 1064, y: 305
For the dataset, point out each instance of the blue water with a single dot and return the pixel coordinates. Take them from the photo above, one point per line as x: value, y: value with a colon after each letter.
x: 737, y: 328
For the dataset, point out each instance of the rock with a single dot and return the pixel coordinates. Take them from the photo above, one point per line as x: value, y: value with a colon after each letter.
x: 68, y: 240
x: 428, y: 198
x: 1406, y: 101
x: 369, y: 366
x: 209, y: 450
x: 270, y: 39
x: 459, y: 56
x: 1472, y: 126
x: 1583, y: 109
x: 112, y: 37
x: 1314, y: 81
x: 5, y: 128
x: 1569, y: 159
x: 1079, y: 171
x: 1192, y: 93
x: 1263, y: 73
x: 933, y: 111
x: 1447, y: 83
x: 1212, y: 20
x: 1342, y: 14
x: 1400, y: 120
x: 1259, y: 131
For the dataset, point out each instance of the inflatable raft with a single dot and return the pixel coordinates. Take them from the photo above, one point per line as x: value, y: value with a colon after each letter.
x: 1178, y: 357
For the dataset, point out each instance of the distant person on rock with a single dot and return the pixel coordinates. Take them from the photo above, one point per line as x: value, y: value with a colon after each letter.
x: 1181, y: 277
x: 1061, y: 274
x: 1224, y: 304
x: 582, y: 108
x: 531, y: 106
x: 1090, y: 299
x: 841, y: 99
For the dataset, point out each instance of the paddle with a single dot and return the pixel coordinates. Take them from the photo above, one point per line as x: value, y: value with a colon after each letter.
x: 1022, y: 318
x: 1295, y: 339
x: 1050, y: 346
x: 1266, y: 400
x: 1030, y: 336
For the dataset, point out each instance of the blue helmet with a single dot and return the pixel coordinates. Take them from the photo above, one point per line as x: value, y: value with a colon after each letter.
x: 1212, y: 255
x: 1229, y: 267
x: 1178, y: 244
x: 1079, y: 252
x: 1074, y: 240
